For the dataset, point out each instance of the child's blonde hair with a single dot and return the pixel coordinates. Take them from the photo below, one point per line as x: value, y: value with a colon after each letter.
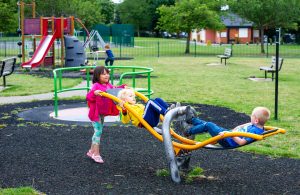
x: 262, y: 114
x: 107, y: 46
x: 124, y: 93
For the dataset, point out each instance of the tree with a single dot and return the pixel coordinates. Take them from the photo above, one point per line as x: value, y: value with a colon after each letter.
x: 107, y: 10
x: 153, y: 5
x: 135, y: 12
x: 187, y: 15
x: 55, y: 8
x: 268, y: 14
x: 9, y: 16
x: 89, y: 12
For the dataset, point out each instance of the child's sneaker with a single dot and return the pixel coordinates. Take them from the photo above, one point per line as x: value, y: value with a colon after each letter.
x: 170, y: 108
x: 97, y: 159
x: 158, y: 130
x: 89, y: 154
x: 189, y: 115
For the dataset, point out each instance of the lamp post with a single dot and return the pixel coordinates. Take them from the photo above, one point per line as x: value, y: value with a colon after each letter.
x: 276, y: 73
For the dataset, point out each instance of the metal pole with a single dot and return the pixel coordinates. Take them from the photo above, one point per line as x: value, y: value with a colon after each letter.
x: 267, y: 47
x: 195, y: 48
x: 276, y: 75
x: 158, y: 49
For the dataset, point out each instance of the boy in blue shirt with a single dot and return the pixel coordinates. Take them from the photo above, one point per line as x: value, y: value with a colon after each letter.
x: 110, y: 56
x: 259, y: 116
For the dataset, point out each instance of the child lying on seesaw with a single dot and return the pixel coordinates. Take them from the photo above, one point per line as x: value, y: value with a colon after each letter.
x: 150, y: 112
x: 259, y: 116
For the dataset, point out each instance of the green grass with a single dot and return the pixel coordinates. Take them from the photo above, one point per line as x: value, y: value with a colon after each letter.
x: 191, y: 80
x: 20, y: 191
x: 22, y: 84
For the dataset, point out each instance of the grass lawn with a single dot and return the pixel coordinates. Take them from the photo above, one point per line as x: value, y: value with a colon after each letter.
x: 21, y: 84
x: 192, y: 80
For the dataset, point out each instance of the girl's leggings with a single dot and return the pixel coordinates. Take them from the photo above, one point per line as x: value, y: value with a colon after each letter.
x: 98, y: 126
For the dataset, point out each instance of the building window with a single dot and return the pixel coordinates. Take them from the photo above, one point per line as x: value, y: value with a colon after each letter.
x: 243, y: 33
x: 223, y: 34
x: 255, y: 33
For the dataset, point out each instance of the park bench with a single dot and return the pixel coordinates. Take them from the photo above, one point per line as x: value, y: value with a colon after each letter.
x: 7, y: 67
x: 272, y: 68
x: 226, y: 55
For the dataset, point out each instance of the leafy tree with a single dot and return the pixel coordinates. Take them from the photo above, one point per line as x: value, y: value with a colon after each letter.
x: 9, y: 16
x: 55, y: 8
x: 107, y: 10
x: 268, y: 14
x: 135, y: 12
x: 89, y: 12
x: 153, y: 5
x: 187, y: 15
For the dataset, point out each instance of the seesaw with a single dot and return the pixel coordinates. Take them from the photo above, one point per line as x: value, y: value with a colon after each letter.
x: 178, y: 148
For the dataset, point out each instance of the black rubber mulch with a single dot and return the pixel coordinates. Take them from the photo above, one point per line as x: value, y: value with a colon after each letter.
x: 51, y: 158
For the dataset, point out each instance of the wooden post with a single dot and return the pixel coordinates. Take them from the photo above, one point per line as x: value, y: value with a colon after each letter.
x: 22, y: 28
x: 33, y: 9
x: 62, y: 40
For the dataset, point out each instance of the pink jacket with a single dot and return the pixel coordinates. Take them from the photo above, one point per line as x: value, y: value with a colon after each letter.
x: 101, y: 105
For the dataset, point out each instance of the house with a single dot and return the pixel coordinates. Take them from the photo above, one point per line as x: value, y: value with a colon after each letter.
x: 237, y: 30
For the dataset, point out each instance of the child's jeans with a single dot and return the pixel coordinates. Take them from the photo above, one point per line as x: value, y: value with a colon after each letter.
x: 153, y: 109
x: 200, y: 126
x: 110, y: 60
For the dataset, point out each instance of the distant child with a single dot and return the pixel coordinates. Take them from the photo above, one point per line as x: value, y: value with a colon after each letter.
x: 110, y: 56
x: 98, y: 108
x: 150, y: 112
x: 259, y: 116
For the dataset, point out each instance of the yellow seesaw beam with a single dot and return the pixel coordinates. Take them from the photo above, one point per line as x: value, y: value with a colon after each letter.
x: 188, y: 144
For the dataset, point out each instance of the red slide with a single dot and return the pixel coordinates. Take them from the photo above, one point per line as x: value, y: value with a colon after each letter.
x: 40, y: 52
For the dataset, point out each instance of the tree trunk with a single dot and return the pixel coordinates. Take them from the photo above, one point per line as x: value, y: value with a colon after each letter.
x: 138, y: 31
x: 262, y: 40
x: 187, y: 49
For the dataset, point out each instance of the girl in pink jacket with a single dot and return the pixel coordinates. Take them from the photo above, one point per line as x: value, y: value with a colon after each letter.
x: 99, y: 107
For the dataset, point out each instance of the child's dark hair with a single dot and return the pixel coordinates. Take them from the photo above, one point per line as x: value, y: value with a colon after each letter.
x: 97, y: 71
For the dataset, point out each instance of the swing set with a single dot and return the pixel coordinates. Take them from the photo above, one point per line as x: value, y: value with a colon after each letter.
x: 178, y: 148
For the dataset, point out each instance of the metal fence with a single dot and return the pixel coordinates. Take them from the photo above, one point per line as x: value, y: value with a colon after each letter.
x: 159, y: 47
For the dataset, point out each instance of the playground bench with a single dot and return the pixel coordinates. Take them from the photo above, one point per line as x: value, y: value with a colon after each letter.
x: 226, y: 55
x: 272, y: 68
x: 7, y: 67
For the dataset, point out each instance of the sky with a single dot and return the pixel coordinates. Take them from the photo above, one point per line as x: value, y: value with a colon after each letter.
x: 117, y: 1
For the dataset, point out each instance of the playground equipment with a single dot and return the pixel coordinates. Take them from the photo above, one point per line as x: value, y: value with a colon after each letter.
x: 94, y: 42
x: 131, y: 71
x: 49, y: 29
x: 178, y: 149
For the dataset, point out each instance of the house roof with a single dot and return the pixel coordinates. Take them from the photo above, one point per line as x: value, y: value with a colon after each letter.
x: 233, y: 20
